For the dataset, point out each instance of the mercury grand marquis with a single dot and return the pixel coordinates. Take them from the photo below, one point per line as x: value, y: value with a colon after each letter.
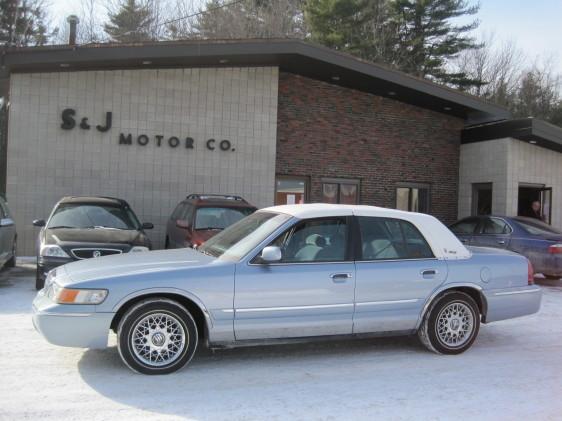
x: 288, y: 273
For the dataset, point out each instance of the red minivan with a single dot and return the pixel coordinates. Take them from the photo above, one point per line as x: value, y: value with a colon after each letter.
x: 201, y: 216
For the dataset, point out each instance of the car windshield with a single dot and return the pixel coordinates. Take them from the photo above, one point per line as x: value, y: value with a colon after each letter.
x: 76, y: 215
x: 239, y: 239
x: 536, y: 227
x: 219, y: 218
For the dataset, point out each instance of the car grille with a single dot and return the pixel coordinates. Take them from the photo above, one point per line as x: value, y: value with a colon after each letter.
x: 87, y: 253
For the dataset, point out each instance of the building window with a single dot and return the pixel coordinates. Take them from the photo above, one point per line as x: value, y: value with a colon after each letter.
x: 481, y: 199
x: 337, y: 190
x: 535, y: 201
x: 413, y: 197
x: 290, y: 190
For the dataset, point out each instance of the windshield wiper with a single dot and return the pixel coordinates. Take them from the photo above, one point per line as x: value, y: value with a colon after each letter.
x: 61, y: 227
x: 210, y: 228
x: 205, y: 252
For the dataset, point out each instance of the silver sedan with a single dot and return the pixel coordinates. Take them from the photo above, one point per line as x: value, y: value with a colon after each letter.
x: 288, y: 273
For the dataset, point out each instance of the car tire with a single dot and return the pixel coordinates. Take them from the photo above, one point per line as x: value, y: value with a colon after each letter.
x: 157, y: 336
x: 451, y: 324
x: 167, y: 243
x: 12, y: 261
x: 39, y: 281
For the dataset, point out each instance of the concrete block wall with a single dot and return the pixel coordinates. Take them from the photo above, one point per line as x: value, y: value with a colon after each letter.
x: 46, y: 162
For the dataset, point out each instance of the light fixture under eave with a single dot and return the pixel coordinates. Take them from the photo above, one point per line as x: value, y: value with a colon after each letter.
x: 447, y: 108
x: 223, y: 61
x: 146, y: 62
x: 64, y: 65
x: 533, y: 142
x: 391, y: 93
x: 335, y: 78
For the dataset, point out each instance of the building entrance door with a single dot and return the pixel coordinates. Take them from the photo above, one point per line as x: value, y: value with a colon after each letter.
x: 530, y: 194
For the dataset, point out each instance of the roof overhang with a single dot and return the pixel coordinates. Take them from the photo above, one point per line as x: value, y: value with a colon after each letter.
x: 294, y: 56
x: 530, y: 130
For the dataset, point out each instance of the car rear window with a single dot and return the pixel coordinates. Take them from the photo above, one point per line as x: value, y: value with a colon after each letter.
x: 537, y: 227
x: 219, y: 217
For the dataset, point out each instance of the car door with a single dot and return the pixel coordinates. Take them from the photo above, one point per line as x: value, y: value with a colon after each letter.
x: 177, y: 230
x: 465, y: 229
x: 492, y: 232
x: 309, y: 292
x: 396, y: 272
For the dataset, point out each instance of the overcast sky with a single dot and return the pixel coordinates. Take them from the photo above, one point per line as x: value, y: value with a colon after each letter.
x: 534, y: 25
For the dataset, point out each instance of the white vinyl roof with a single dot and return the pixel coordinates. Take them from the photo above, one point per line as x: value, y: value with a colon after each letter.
x: 445, y: 245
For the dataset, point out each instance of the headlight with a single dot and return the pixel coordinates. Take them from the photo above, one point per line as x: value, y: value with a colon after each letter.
x: 62, y: 295
x: 53, y: 251
x: 138, y: 248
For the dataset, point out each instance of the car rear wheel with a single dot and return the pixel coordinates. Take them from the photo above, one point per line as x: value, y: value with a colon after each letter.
x: 157, y: 336
x: 451, y: 324
x: 39, y: 281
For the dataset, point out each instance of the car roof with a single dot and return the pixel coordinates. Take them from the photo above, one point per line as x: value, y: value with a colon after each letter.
x: 227, y: 201
x: 443, y: 242
x: 98, y: 200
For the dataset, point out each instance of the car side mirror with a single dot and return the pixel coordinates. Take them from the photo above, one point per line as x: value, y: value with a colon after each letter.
x: 39, y: 222
x: 271, y: 254
x: 6, y: 222
x: 147, y: 225
x: 182, y: 223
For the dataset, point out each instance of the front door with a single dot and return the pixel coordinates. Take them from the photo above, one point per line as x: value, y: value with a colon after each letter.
x: 396, y: 272
x: 309, y: 292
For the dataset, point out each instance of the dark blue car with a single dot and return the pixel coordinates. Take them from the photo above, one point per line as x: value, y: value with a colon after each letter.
x: 539, y: 242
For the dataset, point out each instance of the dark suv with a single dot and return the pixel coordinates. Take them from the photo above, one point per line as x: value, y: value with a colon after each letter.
x: 201, y: 216
x: 84, y: 227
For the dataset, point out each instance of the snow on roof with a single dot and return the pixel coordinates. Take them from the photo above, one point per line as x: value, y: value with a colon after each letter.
x: 443, y: 242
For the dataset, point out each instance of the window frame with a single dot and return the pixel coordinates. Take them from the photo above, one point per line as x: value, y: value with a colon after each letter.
x: 350, y: 248
x: 359, y: 243
x: 339, y: 181
x: 304, y: 178
x: 410, y: 187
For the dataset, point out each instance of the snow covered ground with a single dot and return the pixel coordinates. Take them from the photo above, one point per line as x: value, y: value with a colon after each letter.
x: 513, y: 372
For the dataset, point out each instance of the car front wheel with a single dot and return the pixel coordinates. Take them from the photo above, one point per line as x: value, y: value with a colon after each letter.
x: 451, y: 324
x: 157, y: 336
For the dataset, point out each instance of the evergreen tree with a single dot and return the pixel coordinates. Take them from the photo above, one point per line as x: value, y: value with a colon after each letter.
x: 426, y: 33
x: 23, y: 23
x: 131, y: 22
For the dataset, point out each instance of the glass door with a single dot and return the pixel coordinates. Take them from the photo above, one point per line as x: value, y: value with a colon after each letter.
x: 546, y: 204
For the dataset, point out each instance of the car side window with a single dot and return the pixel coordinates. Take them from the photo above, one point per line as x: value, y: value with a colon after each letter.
x: 390, y: 239
x: 495, y: 226
x: 5, y: 212
x: 315, y: 240
x: 187, y: 213
x: 465, y: 227
x: 177, y: 211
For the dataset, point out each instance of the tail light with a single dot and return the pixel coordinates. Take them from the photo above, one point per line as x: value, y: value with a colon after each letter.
x: 530, y: 273
x: 555, y: 249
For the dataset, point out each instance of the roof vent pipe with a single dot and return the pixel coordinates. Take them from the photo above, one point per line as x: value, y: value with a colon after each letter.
x: 73, y: 22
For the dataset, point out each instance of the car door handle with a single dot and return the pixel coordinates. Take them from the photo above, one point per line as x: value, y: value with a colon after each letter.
x: 464, y: 240
x: 428, y: 272
x: 501, y: 242
x: 340, y: 277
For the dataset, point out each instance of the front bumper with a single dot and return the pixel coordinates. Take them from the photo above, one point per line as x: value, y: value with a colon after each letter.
x: 70, y: 325
x: 512, y: 302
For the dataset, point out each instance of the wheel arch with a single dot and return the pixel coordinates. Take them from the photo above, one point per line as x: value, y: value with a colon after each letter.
x: 472, y: 290
x: 196, y: 309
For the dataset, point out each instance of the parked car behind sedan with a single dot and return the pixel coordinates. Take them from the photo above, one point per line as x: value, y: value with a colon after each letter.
x: 288, y: 272
x: 8, y: 236
x: 81, y: 227
x: 201, y: 216
x: 539, y: 242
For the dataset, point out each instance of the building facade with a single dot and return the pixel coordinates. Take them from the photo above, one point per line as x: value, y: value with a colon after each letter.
x: 272, y: 121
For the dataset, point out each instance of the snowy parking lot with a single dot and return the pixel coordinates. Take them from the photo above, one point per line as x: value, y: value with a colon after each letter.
x: 513, y: 372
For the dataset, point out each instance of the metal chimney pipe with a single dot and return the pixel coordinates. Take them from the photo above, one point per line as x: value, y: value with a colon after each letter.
x: 73, y: 22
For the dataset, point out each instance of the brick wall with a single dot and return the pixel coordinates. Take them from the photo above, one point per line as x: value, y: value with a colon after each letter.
x: 325, y: 130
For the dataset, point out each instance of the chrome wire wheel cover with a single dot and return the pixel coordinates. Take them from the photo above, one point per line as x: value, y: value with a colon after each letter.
x: 455, y: 324
x: 158, y: 339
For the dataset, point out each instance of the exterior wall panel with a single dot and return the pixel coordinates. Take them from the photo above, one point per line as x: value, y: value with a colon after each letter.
x: 46, y: 162
x: 327, y: 131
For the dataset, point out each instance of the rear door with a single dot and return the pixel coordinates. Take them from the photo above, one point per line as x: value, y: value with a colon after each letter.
x: 396, y: 272
x: 492, y: 232
x: 465, y: 229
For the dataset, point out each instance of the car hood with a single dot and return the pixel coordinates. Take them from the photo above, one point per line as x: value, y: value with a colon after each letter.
x: 138, y: 263
x: 62, y: 236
